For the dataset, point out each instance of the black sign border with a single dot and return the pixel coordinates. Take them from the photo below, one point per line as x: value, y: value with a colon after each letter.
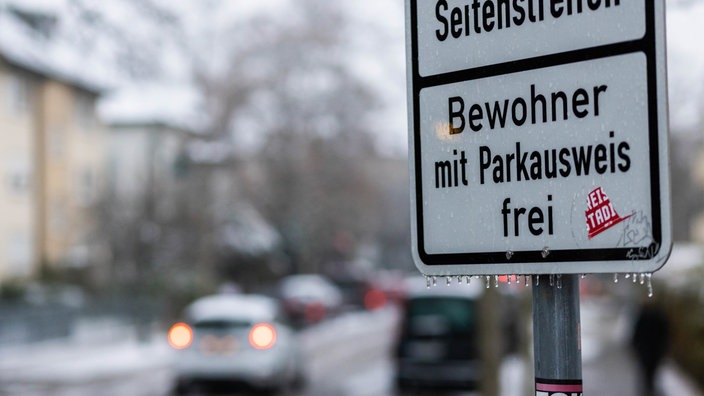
x: 646, y: 45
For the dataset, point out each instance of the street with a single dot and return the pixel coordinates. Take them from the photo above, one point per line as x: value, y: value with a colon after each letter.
x: 346, y: 356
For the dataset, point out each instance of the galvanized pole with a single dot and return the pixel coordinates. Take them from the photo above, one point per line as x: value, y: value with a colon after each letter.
x: 490, y: 333
x: 556, y: 336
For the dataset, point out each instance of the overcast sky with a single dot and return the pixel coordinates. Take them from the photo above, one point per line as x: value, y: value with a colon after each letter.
x: 382, y: 59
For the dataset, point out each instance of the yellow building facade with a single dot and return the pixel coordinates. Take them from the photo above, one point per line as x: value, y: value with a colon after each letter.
x: 18, y: 198
x: 52, y: 160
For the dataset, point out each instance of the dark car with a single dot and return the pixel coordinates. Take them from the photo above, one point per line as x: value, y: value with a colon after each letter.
x: 438, y: 344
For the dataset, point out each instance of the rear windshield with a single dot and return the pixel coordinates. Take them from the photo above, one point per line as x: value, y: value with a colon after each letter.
x: 221, y: 325
x: 429, y: 314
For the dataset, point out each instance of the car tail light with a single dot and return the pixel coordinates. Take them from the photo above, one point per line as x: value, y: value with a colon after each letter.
x: 180, y: 336
x: 374, y: 299
x: 314, y: 312
x: 262, y: 336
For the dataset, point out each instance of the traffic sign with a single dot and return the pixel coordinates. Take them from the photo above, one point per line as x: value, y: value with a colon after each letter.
x: 538, y: 136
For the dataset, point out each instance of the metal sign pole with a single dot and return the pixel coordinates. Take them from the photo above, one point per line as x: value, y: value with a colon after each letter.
x: 556, y: 336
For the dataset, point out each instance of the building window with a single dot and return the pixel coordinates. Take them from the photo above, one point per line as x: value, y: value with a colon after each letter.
x: 56, y: 141
x: 19, y: 254
x: 19, y: 181
x: 86, y: 187
x: 18, y: 94
x: 57, y: 216
x: 84, y: 111
x: 19, y: 174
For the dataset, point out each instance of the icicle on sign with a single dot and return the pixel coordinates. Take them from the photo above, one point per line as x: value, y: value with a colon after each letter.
x: 514, y: 146
x: 514, y: 281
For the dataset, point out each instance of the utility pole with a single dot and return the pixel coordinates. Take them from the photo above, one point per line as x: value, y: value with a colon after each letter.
x: 556, y: 336
x: 490, y: 335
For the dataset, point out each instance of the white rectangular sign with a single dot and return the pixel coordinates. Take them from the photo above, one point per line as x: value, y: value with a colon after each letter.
x: 538, y: 147
x: 463, y: 34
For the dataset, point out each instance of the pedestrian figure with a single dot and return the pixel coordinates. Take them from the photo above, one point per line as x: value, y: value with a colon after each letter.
x: 650, y: 342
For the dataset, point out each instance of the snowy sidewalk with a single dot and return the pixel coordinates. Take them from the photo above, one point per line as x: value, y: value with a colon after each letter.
x: 69, y: 361
x: 609, y: 367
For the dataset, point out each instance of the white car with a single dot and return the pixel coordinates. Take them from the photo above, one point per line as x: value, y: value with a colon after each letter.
x: 235, y: 340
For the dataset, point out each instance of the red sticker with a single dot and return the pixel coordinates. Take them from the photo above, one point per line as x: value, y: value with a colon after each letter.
x: 600, y: 213
x: 545, y: 387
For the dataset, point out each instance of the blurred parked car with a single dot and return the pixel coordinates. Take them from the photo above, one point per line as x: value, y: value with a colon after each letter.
x: 236, y: 341
x: 438, y: 344
x: 383, y: 289
x: 353, y: 288
x: 309, y: 298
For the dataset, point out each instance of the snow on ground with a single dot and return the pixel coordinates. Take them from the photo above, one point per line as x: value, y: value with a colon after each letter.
x: 100, y: 357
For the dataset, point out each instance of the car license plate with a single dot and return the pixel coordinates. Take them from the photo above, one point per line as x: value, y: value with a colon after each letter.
x: 212, y: 345
x: 426, y: 350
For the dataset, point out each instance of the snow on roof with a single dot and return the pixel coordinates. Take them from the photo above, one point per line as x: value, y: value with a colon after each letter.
x: 174, y: 105
x: 248, y: 232
x: 37, y: 6
x: 25, y: 48
x: 249, y: 307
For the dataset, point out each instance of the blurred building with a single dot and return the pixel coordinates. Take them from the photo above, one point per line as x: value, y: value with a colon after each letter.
x: 173, y: 190
x: 18, y: 200
x: 149, y: 128
x: 146, y: 173
x: 698, y: 176
x: 52, y: 153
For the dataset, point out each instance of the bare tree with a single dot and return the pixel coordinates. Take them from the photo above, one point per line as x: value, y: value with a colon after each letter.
x: 280, y: 90
x: 290, y: 81
x: 686, y: 194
